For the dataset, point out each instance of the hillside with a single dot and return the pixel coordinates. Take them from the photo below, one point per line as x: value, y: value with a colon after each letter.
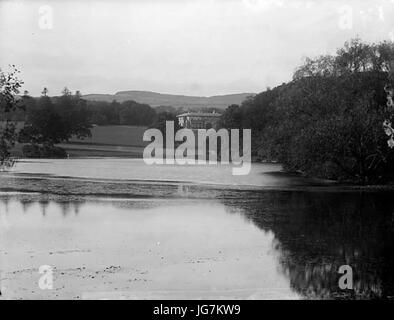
x: 155, y: 99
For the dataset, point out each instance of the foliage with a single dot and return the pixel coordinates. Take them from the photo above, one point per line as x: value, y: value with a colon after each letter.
x: 126, y: 113
x: 51, y: 122
x: 9, y: 87
x: 327, y: 121
x: 133, y: 113
x: 37, y: 151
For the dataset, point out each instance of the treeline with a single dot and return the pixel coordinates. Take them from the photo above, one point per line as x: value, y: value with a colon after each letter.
x: 107, y: 113
x: 326, y: 122
x: 95, y: 112
x: 125, y: 113
x: 134, y: 113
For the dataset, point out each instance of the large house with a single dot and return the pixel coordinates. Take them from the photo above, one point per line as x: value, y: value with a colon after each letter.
x: 198, y: 120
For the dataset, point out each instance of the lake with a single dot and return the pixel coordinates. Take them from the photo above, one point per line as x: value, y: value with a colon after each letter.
x: 118, y: 229
x: 261, y: 175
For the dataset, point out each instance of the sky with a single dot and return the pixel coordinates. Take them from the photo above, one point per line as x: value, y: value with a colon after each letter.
x: 192, y: 47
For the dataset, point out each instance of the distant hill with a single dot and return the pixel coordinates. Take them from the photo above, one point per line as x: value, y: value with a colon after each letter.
x: 155, y: 99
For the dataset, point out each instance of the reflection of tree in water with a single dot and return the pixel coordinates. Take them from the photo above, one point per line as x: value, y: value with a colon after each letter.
x: 316, y: 233
x: 65, y: 204
x: 65, y: 207
x: 43, y: 206
x: 26, y: 204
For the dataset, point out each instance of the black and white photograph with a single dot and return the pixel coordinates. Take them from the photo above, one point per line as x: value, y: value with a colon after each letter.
x: 196, y: 150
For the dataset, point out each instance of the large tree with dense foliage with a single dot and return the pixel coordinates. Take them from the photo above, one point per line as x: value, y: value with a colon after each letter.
x: 327, y: 122
x: 52, y: 121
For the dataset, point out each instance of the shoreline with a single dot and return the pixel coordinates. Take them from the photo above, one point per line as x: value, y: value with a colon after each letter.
x: 140, y: 188
x: 304, y: 183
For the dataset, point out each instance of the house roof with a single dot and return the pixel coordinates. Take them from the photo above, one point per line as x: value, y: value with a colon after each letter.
x: 199, y: 114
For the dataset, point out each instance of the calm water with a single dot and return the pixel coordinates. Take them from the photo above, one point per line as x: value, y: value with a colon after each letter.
x: 203, y: 243
x: 135, y: 169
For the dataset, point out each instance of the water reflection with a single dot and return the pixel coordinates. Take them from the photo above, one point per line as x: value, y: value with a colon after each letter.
x: 27, y: 202
x: 312, y: 233
x: 318, y: 232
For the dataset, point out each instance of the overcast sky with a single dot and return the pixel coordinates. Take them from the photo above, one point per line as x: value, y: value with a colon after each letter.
x: 194, y: 47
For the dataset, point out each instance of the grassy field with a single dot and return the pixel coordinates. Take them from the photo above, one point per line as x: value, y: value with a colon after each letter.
x: 106, y: 141
x: 95, y: 150
x: 109, y: 141
x: 115, y: 135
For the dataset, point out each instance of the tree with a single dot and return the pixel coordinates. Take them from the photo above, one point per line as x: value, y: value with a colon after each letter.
x: 9, y: 87
x: 133, y: 113
x: 232, y: 117
x: 354, y: 56
x: 44, y: 125
x: 326, y: 122
x: 52, y: 121
x: 74, y: 113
